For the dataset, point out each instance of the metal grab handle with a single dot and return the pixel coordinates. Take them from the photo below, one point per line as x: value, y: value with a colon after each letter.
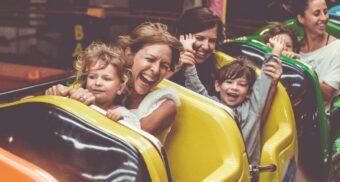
x: 269, y: 168
x: 255, y: 170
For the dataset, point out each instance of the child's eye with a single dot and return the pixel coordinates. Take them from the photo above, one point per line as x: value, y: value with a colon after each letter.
x: 228, y: 81
x: 243, y: 84
x: 107, y: 78
x: 91, y: 76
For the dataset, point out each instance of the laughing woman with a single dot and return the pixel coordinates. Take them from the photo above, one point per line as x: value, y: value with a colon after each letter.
x: 318, y: 48
x: 152, y: 52
x: 205, y: 29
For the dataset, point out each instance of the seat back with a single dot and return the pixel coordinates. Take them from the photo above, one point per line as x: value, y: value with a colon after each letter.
x: 204, y: 143
x: 331, y: 27
x: 73, y: 142
x: 278, y: 138
x: 303, y: 88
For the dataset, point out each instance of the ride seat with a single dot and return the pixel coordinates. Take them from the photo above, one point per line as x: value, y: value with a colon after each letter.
x: 204, y: 143
x: 72, y: 142
x: 278, y: 137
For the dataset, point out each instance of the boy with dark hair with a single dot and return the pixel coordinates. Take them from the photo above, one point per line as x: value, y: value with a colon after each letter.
x: 239, y: 89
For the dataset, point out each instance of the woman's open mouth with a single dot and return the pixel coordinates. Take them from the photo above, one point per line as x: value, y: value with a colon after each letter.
x: 148, y: 80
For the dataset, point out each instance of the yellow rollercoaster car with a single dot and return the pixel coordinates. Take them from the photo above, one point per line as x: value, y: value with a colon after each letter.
x: 73, y: 142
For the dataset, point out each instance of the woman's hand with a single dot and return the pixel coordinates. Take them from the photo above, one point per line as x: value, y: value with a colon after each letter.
x: 58, y: 90
x: 82, y: 95
x: 187, y: 41
x: 273, y: 68
x: 187, y: 57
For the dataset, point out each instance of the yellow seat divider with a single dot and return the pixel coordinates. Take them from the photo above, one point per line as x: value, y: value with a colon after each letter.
x: 279, y: 137
x: 204, y: 143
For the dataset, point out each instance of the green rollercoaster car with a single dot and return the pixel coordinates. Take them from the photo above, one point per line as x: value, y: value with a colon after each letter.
x: 318, y: 133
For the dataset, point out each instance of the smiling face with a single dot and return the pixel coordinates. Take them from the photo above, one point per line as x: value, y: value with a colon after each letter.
x: 104, y: 84
x: 315, y: 17
x: 233, y: 91
x: 150, y: 65
x: 205, y: 44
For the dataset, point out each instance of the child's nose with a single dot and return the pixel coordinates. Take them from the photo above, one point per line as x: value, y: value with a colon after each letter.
x: 234, y: 86
x: 98, y: 82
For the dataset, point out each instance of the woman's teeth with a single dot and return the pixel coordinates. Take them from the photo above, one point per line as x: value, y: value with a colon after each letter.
x: 200, y: 53
x: 147, y: 79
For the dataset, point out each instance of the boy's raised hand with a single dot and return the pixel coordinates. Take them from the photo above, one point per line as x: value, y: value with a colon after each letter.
x: 277, y: 44
x: 273, y: 68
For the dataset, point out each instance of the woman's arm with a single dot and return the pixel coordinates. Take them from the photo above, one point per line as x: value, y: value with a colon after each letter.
x: 327, y: 91
x: 159, y: 119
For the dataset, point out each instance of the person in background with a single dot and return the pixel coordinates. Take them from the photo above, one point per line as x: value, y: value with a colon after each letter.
x: 318, y: 48
x: 291, y: 47
x: 207, y: 28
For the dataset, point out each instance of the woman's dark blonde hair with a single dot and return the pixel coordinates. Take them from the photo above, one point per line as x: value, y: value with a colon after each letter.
x: 151, y: 33
x: 98, y: 51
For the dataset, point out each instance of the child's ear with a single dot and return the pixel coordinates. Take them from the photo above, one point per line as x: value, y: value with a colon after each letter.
x: 128, y: 53
x: 249, y: 92
x: 217, y: 86
x: 120, y: 89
